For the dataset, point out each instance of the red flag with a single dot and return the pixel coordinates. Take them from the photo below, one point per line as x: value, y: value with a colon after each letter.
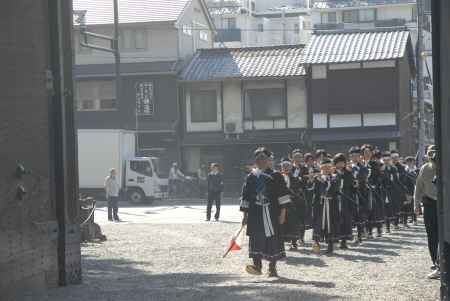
x: 234, y: 244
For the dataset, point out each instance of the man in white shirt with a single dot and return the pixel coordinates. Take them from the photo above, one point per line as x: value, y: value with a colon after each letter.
x: 175, y: 176
x: 112, y: 189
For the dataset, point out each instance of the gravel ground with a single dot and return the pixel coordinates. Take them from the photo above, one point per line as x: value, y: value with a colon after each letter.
x: 183, y: 262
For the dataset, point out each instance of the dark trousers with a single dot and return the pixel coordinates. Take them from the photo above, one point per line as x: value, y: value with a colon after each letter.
x: 113, y: 207
x: 430, y: 218
x: 213, y: 197
x: 174, y: 187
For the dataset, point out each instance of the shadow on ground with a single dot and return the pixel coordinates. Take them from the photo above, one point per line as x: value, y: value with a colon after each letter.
x: 119, y: 280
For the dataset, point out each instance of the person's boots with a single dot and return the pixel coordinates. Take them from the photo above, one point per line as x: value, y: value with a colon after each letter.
x: 330, y: 248
x: 255, y: 268
x: 380, y: 231
x: 294, y: 245
x: 316, y: 247
x: 273, y: 269
x: 110, y: 217
x: 343, y: 245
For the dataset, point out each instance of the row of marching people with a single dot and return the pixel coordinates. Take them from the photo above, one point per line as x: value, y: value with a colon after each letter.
x: 331, y: 195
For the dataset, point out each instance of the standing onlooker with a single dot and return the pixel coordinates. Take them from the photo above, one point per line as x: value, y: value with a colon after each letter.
x: 175, y: 176
x: 202, y: 175
x: 215, y: 188
x: 112, y: 190
x: 426, y: 192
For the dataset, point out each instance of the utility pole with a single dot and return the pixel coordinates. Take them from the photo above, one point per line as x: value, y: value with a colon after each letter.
x: 116, y: 49
x: 420, y: 83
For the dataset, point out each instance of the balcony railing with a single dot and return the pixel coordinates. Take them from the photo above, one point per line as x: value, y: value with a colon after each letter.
x: 329, y: 26
x: 390, y: 23
x: 228, y: 35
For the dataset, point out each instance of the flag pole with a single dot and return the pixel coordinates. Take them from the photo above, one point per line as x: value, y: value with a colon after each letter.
x: 233, y: 240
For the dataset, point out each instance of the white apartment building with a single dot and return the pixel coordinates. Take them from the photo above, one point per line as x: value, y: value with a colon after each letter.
x: 249, y: 23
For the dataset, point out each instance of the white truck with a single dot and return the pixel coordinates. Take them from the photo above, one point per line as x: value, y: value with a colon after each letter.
x: 101, y: 150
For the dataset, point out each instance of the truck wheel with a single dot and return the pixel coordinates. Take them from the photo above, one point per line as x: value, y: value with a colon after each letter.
x: 136, y: 196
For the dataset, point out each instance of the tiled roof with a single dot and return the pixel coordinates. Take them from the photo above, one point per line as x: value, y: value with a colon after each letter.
x: 227, y: 63
x: 345, y: 47
x: 131, y: 11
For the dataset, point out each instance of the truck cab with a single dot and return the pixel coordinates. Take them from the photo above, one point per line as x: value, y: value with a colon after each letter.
x: 142, y: 179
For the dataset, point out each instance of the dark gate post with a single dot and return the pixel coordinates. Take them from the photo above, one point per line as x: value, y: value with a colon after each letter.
x: 441, y: 90
x: 63, y: 141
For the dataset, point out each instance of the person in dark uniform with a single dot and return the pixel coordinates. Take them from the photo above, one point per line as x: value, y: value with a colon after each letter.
x: 215, y: 189
x: 298, y: 172
x: 345, y: 198
x: 360, y: 174
x: 294, y: 222
x: 377, y: 195
x: 325, y: 207
x: 263, y: 202
x: 392, y: 195
x: 400, y: 186
x: 411, y: 174
x: 310, y: 170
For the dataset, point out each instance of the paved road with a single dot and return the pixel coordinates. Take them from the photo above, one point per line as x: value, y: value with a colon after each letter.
x: 170, y: 214
x: 170, y: 253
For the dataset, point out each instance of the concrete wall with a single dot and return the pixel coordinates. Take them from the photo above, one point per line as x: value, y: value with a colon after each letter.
x: 31, y: 233
x: 194, y: 16
x: 161, y: 45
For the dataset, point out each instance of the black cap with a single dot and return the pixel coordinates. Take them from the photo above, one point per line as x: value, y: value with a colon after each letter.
x: 386, y: 154
x: 394, y: 152
x: 339, y: 158
x: 296, y: 151
x: 354, y: 150
x: 410, y: 159
x: 262, y: 153
x: 308, y: 156
x: 321, y: 152
x: 376, y: 154
x: 325, y: 160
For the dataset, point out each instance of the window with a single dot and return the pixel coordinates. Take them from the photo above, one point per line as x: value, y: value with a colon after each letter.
x: 264, y: 104
x: 141, y: 39
x: 133, y: 39
x: 203, y: 106
x: 231, y: 23
x: 296, y: 28
x: 332, y: 18
x: 107, y: 104
x: 87, y: 105
x: 141, y: 167
x: 327, y: 18
x: 96, y: 95
x: 203, y: 35
x: 187, y: 29
x: 367, y: 15
x: 261, y: 27
x: 350, y: 16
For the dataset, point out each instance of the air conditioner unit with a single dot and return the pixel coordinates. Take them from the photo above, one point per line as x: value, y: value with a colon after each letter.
x: 230, y: 128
